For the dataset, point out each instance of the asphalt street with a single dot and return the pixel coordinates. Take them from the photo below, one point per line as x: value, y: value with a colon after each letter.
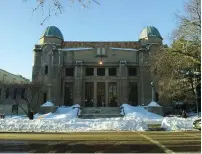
x: 102, y: 142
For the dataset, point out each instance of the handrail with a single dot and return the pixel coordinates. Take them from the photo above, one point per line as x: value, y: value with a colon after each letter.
x: 123, y: 110
x: 78, y: 110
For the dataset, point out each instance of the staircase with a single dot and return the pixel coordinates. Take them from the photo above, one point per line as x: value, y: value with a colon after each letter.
x: 100, y: 112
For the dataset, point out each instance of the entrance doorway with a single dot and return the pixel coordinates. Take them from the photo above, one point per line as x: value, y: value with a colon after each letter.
x: 101, y: 94
x: 112, y: 94
x: 68, y: 100
x: 89, y: 91
x: 133, y: 93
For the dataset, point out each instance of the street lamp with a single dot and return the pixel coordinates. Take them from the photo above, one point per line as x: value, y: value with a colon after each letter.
x: 152, y: 85
x: 49, y: 92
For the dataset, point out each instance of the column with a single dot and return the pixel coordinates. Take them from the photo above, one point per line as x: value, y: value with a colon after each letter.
x: 78, y: 79
x: 95, y: 94
x: 95, y: 71
x: 123, y: 82
x: 106, y: 94
x: 50, y: 60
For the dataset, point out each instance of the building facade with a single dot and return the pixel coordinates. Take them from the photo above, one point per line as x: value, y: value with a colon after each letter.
x: 94, y: 73
x: 12, y: 92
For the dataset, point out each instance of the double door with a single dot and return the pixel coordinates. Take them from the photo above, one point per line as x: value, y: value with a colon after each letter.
x: 100, y: 94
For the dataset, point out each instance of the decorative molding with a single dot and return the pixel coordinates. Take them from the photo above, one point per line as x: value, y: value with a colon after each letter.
x: 78, y: 63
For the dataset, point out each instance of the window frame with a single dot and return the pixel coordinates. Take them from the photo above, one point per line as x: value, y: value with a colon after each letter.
x: 101, y: 69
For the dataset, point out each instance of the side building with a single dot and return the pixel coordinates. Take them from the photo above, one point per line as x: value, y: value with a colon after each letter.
x: 11, y: 92
x: 94, y: 73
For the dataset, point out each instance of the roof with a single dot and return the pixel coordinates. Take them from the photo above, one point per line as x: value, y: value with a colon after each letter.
x: 52, y: 31
x: 124, y: 44
x: 149, y: 32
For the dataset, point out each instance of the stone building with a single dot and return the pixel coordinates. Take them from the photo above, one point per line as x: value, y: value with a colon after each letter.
x: 11, y: 92
x: 94, y: 73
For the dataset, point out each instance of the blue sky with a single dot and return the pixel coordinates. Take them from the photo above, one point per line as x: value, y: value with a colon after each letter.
x: 112, y: 20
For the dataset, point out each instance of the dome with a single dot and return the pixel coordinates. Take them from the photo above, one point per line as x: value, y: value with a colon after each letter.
x: 52, y: 31
x: 150, y: 32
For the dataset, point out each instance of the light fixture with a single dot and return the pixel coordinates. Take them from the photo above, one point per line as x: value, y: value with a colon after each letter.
x: 100, y: 62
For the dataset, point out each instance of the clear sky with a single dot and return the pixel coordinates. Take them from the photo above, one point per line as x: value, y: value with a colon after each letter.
x: 112, y: 20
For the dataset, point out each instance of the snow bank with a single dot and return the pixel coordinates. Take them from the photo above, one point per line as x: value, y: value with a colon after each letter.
x: 153, y: 104
x: 47, y: 104
x: 63, y: 112
x: 72, y: 125
x: 140, y: 112
x: 65, y: 120
x: 177, y: 123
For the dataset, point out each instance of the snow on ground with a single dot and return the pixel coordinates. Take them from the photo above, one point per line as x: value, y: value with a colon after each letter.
x: 63, y: 112
x: 154, y: 104
x: 140, y: 112
x: 72, y: 125
x: 47, y: 104
x: 178, y: 123
x: 65, y: 120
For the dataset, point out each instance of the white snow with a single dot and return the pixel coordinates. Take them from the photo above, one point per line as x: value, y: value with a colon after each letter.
x: 140, y: 112
x: 178, y: 123
x: 154, y: 104
x: 65, y: 120
x: 48, y: 103
x: 72, y: 125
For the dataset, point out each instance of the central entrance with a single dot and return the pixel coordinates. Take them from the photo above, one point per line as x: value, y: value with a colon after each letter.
x: 101, y: 94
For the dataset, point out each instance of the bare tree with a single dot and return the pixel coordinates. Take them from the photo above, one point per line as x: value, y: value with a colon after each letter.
x: 55, y: 7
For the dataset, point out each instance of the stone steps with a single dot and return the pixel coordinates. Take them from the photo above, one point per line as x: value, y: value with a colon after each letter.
x: 100, y: 112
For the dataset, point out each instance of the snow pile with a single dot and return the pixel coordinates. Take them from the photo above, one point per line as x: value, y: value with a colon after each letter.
x: 72, y: 125
x: 65, y: 120
x: 177, y: 123
x: 62, y: 112
x: 47, y: 104
x: 140, y: 112
x: 154, y: 104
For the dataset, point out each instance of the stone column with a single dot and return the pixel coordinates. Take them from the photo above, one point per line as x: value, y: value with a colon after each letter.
x: 106, y: 94
x: 50, y: 63
x: 123, y: 73
x: 78, y: 80
x: 153, y: 92
x: 95, y: 94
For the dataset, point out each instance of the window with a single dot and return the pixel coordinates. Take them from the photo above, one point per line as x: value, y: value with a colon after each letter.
x: 112, y: 71
x: 44, y: 97
x: 14, y: 93
x: 101, y: 71
x: 23, y: 93
x: 98, y: 51
x: 132, y: 71
x: 46, y: 70
x: 69, y: 71
x: 101, y: 51
x: 7, y: 92
x: 89, y: 71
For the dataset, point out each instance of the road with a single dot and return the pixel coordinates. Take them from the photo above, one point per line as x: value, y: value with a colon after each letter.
x: 102, y: 142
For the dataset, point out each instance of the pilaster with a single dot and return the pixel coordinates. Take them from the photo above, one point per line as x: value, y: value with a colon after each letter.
x: 123, y: 82
x: 78, y: 80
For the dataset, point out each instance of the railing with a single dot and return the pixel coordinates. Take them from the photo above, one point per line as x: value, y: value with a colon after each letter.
x: 79, y: 108
x: 122, y: 108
